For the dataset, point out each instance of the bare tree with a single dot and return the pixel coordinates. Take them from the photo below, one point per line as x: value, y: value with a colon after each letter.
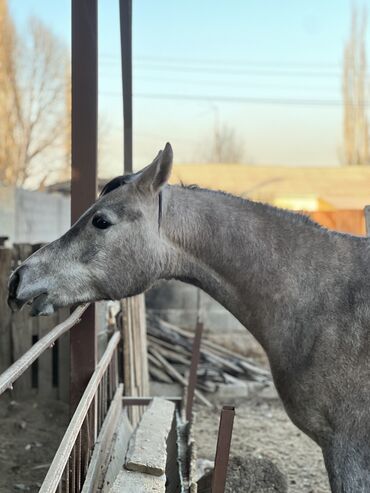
x: 355, y: 123
x: 8, y: 55
x: 225, y: 147
x: 33, y: 88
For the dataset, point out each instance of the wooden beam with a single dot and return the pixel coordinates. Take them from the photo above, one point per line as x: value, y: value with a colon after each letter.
x: 5, y: 312
x: 100, y: 457
x: 25, y: 361
x: 84, y: 169
x: 178, y: 377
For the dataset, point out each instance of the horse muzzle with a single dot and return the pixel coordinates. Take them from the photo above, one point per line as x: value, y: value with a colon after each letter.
x: 23, y: 291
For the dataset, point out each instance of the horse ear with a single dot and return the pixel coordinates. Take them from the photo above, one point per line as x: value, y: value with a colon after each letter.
x: 154, y: 176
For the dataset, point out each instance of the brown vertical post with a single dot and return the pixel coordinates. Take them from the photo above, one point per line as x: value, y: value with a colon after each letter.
x: 225, y: 432
x: 125, y: 13
x: 195, y: 355
x: 84, y: 169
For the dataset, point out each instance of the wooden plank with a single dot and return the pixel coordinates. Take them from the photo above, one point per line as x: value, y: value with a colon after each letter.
x: 99, y: 460
x: 118, y: 452
x: 205, y: 342
x: 172, y: 347
x: 62, y: 455
x: 63, y: 360
x: 136, y: 337
x: 179, y: 378
x: 5, y: 312
x: 144, y: 346
x: 159, y: 375
x: 144, y: 401
x: 21, y: 328
x: 171, y: 355
x: 45, y: 362
x: 25, y: 361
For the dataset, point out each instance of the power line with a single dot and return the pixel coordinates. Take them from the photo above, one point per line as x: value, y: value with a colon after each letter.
x: 227, y: 84
x: 238, y: 71
x: 225, y: 61
x: 239, y: 99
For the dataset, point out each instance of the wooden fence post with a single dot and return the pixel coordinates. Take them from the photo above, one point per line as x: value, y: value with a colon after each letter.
x: 5, y: 313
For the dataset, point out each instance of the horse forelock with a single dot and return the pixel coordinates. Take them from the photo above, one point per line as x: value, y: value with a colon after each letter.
x: 117, y: 182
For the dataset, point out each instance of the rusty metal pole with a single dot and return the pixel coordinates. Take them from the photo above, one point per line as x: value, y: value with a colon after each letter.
x: 225, y: 432
x: 125, y: 14
x: 195, y: 355
x: 84, y: 170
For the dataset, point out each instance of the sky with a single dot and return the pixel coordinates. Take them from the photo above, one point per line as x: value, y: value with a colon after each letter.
x: 270, y: 70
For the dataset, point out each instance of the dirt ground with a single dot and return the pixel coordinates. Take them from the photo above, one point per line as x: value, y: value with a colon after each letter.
x: 29, y: 436
x: 263, y: 431
x: 268, y: 453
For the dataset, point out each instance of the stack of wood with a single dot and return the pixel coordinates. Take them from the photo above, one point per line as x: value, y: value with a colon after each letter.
x: 170, y: 351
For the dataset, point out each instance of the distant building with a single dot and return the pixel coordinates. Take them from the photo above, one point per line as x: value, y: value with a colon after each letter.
x: 32, y: 217
x: 345, y: 187
x: 310, y: 189
x: 304, y: 202
x: 43, y: 216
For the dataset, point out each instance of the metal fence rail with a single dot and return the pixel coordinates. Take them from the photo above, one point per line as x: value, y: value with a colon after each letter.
x: 69, y: 467
x: 24, y: 362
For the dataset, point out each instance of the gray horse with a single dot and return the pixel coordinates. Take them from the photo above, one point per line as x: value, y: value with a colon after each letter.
x: 302, y: 291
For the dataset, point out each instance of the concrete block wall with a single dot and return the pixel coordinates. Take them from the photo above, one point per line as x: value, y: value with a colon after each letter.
x: 176, y: 302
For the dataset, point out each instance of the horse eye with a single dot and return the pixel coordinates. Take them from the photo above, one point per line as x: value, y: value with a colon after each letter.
x: 100, y: 222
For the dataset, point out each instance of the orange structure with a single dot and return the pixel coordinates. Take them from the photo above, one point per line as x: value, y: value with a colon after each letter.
x: 346, y: 221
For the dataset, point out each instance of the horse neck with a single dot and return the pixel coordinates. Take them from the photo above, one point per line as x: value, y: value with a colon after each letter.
x: 239, y: 252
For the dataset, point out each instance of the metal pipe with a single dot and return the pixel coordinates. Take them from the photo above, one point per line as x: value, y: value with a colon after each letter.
x: 195, y: 356
x: 225, y: 432
x: 125, y: 17
x: 83, y: 349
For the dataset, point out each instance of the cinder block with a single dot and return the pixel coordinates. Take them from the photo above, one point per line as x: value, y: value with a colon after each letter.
x: 147, y: 450
x: 138, y: 482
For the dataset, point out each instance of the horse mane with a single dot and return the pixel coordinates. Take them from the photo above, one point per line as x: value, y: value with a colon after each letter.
x: 117, y: 182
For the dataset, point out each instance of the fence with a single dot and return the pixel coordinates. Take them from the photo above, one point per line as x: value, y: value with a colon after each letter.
x: 70, y: 465
x: 48, y: 376
x: 69, y: 468
x: 34, y: 358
